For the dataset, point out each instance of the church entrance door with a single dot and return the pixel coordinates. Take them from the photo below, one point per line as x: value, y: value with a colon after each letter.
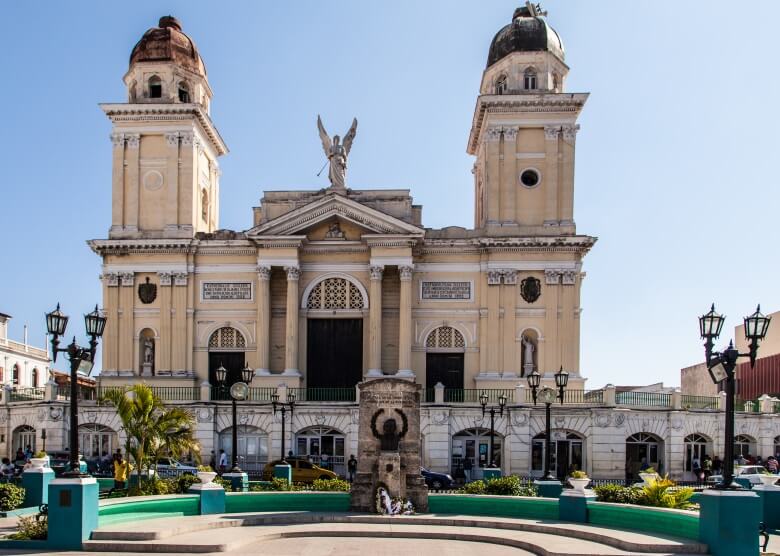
x: 334, y: 353
x: 233, y: 361
x: 446, y: 368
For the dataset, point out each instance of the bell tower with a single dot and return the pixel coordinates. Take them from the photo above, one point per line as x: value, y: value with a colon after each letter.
x: 523, y: 133
x: 165, y: 178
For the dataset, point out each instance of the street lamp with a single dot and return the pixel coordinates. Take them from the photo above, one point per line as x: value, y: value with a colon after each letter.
x: 483, y: 400
x: 282, y: 406
x: 548, y: 396
x: 80, y: 358
x: 238, y: 391
x: 722, y: 365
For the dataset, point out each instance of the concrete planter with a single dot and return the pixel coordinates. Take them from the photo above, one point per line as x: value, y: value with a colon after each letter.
x: 647, y: 477
x: 206, y: 477
x: 579, y: 484
x: 768, y: 480
x: 38, y: 463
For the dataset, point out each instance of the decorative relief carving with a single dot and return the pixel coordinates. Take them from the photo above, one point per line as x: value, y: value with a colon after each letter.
x: 552, y: 277
x: 510, y: 133
x: 117, y: 140
x: 376, y: 272
x: 494, y: 277
x: 354, y: 416
x: 569, y: 277
x: 530, y: 289
x: 172, y: 139
x: 510, y: 277
x: 264, y: 273
x: 133, y: 140
x: 620, y: 418
x: 677, y: 423
x: 320, y: 419
x: 519, y: 419
x: 111, y: 279
x: 570, y: 132
x: 440, y: 418
x: 551, y: 132
x: 147, y: 292
x: 128, y: 278
x: 493, y: 133
x: 55, y: 413
x: 293, y: 272
x: 153, y: 180
x: 560, y: 421
x: 602, y: 420
x: 204, y: 415
x: 406, y: 273
x: 187, y: 138
x: 165, y: 278
x: 180, y: 278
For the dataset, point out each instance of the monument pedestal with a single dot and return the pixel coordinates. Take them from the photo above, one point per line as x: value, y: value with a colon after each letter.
x: 573, y: 505
x: 491, y: 473
x: 36, y: 486
x: 212, y: 498
x: 770, y: 505
x: 73, y: 512
x: 549, y: 489
x: 283, y: 471
x: 389, y: 474
x: 239, y: 481
x: 728, y: 522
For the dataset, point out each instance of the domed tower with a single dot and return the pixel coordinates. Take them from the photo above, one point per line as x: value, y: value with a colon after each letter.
x: 166, y: 175
x: 523, y: 132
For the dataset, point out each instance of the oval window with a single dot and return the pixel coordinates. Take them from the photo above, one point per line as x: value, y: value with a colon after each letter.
x: 529, y: 178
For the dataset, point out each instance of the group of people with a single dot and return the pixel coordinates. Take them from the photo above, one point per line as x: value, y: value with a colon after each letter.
x: 10, y: 469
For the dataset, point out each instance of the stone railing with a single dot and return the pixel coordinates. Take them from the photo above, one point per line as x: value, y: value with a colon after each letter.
x: 22, y: 348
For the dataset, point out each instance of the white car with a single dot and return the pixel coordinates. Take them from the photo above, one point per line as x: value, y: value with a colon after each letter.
x: 169, y: 467
x: 751, y: 472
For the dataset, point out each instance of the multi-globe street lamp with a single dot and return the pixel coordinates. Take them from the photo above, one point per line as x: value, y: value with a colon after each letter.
x: 238, y: 391
x: 722, y: 365
x: 548, y: 396
x: 79, y: 357
x: 282, y: 406
x: 483, y: 400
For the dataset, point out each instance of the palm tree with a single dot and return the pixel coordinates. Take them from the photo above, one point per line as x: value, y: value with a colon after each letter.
x: 150, y: 427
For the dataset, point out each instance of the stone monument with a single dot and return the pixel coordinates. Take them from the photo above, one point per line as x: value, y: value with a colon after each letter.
x: 389, y: 444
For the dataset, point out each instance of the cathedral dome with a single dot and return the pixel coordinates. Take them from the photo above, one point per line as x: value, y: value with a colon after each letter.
x: 167, y: 43
x: 528, y: 32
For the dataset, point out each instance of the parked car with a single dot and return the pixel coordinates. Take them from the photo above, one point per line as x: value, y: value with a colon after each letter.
x: 169, y: 467
x: 436, y: 480
x: 751, y: 472
x: 60, y: 462
x: 302, y: 471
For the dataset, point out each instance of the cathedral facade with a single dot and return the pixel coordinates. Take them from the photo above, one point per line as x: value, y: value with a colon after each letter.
x: 325, y: 288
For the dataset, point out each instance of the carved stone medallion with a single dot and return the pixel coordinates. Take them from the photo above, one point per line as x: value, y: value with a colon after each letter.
x: 204, y: 415
x: 147, y: 292
x: 55, y: 413
x: 619, y: 419
x: 530, y: 289
x: 602, y: 420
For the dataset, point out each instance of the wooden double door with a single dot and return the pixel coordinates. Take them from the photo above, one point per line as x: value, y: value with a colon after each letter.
x: 334, y: 353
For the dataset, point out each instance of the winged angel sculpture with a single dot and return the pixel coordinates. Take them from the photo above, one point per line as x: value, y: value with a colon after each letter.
x: 337, y: 152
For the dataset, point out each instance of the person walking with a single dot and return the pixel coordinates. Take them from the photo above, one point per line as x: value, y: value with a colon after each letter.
x: 707, y: 467
x: 352, y: 468
x: 467, y: 467
x: 325, y: 461
x: 213, y: 461
x: 121, y: 471
x: 222, y: 461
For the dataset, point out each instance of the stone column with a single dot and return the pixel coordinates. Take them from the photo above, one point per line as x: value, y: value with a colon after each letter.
x: 126, y: 333
x: 291, y: 328
x: 405, y: 323
x: 566, y: 211
x: 263, y: 320
x: 179, y: 322
x: 118, y: 183
x: 133, y: 177
x: 111, y: 333
x: 551, y: 134
x: 375, y: 322
x: 172, y: 182
x: 166, y: 306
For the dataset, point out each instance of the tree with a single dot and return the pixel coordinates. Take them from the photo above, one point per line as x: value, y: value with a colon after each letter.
x: 151, y: 429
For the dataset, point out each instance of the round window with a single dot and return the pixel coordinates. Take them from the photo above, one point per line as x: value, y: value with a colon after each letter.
x: 529, y: 178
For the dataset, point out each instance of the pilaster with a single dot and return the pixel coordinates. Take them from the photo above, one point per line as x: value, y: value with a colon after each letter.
x: 166, y: 308
x: 566, y: 212
x: 405, y: 322
x: 111, y: 333
x: 375, y: 321
x: 263, y: 319
x: 172, y: 167
x: 126, y: 332
x: 510, y: 365
x: 117, y: 182
x: 291, y: 322
x: 132, y: 171
x: 550, y: 179
x: 178, y: 333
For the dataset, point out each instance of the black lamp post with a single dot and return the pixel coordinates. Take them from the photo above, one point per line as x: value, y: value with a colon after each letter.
x: 282, y: 406
x: 483, y: 400
x: 548, y: 396
x: 238, y: 391
x: 722, y: 365
x: 43, y: 438
x: 79, y: 357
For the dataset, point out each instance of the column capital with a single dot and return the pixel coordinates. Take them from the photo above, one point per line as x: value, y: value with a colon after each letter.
x: 165, y: 278
x: 570, y: 132
x: 187, y: 137
x: 510, y: 277
x: 376, y: 272
x: 118, y: 140
x: 263, y: 272
x: 293, y: 273
x: 406, y: 273
x: 172, y: 139
x: 133, y: 140
x: 179, y: 278
x: 494, y: 277
x: 111, y: 279
x: 128, y: 278
x: 551, y: 132
x: 552, y: 277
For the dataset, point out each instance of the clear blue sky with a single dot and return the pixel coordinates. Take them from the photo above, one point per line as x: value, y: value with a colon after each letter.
x: 676, y: 160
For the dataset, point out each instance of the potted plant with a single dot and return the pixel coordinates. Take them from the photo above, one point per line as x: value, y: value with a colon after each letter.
x: 579, y: 480
x: 39, y: 459
x: 206, y: 474
x: 767, y: 478
x: 648, y: 475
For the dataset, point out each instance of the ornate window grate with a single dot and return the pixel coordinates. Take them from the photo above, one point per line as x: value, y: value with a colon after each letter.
x: 445, y: 337
x: 227, y: 337
x: 335, y: 293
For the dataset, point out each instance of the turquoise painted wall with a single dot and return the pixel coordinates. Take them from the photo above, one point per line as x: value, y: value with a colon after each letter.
x: 499, y: 506
x: 237, y: 502
x: 643, y: 518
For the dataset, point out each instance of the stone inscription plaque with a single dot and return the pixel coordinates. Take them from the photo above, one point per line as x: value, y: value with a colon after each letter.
x: 227, y: 291
x: 446, y: 290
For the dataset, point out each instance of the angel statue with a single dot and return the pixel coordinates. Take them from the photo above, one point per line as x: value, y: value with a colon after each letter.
x: 337, y: 152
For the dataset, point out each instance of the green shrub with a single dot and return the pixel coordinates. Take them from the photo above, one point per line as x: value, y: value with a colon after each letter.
x: 31, y: 528
x: 154, y: 486
x: 39, y: 454
x: 330, y: 485
x: 474, y: 487
x: 664, y: 493
x: 578, y: 475
x: 11, y: 496
x: 511, y: 485
x: 618, y: 494
x: 184, y: 482
x: 206, y: 468
x: 224, y: 483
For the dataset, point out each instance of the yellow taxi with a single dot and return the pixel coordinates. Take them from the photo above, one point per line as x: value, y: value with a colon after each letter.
x: 302, y: 471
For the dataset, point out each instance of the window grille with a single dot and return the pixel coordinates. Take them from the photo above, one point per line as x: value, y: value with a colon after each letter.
x: 227, y: 337
x: 335, y: 293
x: 445, y: 337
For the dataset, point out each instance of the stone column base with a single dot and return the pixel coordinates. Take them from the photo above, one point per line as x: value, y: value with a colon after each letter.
x: 770, y: 505
x: 573, y: 505
x: 549, y: 489
x: 212, y: 498
x: 728, y: 522
x: 239, y: 482
x: 73, y: 512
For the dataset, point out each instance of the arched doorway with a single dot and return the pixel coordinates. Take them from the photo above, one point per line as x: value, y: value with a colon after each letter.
x: 23, y: 436
x: 643, y: 447
x: 567, y: 453
x: 252, y: 447
x: 444, y: 352
x: 696, y: 447
x: 744, y: 446
x: 226, y: 348
x: 311, y: 443
x: 334, y: 333
x: 474, y: 444
x: 97, y: 442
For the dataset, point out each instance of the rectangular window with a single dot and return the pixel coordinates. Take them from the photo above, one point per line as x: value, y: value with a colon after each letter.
x: 537, y: 455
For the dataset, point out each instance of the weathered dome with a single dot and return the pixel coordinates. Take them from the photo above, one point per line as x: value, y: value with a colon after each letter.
x: 526, y: 33
x: 167, y: 43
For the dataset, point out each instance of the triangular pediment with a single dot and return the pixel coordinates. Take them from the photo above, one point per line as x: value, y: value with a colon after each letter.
x: 334, y: 208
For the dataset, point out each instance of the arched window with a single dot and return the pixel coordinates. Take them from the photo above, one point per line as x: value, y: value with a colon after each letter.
x: 566, y: 452
x: 204, y: 205
x: 474, y: 445
x: 501, y: 85
x: 15, y: 376
x: 227, y: 338
x: 335, y: 293
x: 313, y: 442
x: 96, y: 441
x: 642, y: 450
x: 744, y: 446
x: 184, y: 92
x: 35, y: 378
x: 445, y: 338
x: 696, y: 447
x: 252, y: 447
x: 529, y: 79
x: 155, y: 87
x: 24, y: 436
